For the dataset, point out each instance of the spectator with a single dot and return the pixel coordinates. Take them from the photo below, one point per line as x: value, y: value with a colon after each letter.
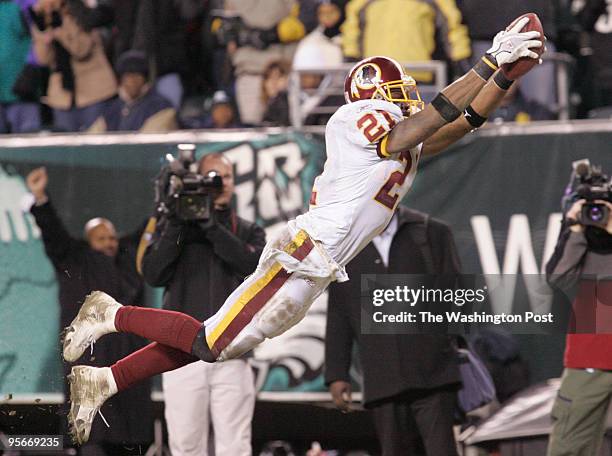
x: 380, y: 27
x: 537, y: 85
x: 308, y: 14
x: 82, y: 81
x: 102, y: 262
x: 19, y: 111
x: 158, y: 30
x: 515, y: 108
x: 330, y: 16
x: 138, y: 107
x: 266, y: 31
x: 595, y: 17
x: 200, y: 266
x: 274, y: 94
x: 417, y: 393
x: 218, y: 111
x: 312, y: 16
x: 222, y: 113
x: 322, y: 46
x: 320, y: 50
x: 581, y: 267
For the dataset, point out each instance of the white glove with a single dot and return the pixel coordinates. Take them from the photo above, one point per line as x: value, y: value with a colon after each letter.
x: 511, y: 45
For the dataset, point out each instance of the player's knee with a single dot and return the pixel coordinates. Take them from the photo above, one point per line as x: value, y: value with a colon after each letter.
x: 200, y: 347
x: 281, y: 317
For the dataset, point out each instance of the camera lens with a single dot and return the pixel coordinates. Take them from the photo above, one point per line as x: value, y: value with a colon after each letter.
x: 595, y: 214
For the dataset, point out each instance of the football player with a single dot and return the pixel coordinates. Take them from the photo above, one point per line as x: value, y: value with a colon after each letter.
x: 373, y: 144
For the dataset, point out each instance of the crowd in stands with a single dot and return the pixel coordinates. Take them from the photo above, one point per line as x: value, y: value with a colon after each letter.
x: 144, y: 65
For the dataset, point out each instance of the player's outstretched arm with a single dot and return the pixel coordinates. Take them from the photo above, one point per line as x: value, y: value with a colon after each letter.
x: 487, y: 101
x: 508, y: 46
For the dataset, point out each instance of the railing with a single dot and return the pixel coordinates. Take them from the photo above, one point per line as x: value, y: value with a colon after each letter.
x: 563, y: 63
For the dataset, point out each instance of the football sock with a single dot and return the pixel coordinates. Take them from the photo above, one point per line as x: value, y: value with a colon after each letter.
x: 151, y: 360
x: 175, y: 329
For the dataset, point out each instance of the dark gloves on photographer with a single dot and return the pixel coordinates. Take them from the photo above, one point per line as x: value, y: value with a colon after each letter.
x: 39, y: 19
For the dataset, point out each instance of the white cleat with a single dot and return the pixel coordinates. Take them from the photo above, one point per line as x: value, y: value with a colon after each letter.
x: 90, y: 387
x: 95, y: 318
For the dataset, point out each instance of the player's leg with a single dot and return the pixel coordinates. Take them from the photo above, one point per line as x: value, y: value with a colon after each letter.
x: 100, y: 314
x: 271, y: 301
x: 235, y: 336
x: 91, y: 386
x: 268, y: 303
x: 291, y: 250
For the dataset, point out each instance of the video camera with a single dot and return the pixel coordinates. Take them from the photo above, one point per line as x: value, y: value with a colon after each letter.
x: 588, y: 182
x: 184, y: 193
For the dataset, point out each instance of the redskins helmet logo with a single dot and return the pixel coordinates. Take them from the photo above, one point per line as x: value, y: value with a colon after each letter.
x: 366, y: 77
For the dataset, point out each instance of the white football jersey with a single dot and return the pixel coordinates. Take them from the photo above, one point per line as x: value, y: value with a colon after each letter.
x: 355, y: 197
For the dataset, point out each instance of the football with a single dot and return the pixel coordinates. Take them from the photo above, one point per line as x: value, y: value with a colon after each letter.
x: 517, y: 69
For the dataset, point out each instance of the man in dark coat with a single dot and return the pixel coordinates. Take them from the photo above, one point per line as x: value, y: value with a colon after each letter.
x: 409, y: 381
x: 103, y: 262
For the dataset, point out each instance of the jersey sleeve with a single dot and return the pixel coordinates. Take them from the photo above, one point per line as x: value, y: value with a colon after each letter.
x: 369, y: 127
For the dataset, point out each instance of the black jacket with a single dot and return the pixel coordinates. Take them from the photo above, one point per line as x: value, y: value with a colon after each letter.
x: 79, y: 271
x: 200, y: 268
x: 392, y: 364
x: 159, y: 31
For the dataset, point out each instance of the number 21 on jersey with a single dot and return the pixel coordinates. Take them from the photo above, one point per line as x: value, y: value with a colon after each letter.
x: 386, y: 195
x: 374, y: 131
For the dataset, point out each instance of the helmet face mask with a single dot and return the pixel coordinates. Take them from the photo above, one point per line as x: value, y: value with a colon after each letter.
x: 384, y: 79
x: 403, y: 93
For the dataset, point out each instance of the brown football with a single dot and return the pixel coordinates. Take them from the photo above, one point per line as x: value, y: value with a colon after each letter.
x: 517, y: 69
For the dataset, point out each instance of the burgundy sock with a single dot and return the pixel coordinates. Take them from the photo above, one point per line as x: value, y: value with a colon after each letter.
x: 148, y: 361
x: 175, y: 329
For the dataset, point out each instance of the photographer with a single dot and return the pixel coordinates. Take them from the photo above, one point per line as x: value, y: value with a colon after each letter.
x: 584, y: 252
x: 200, y: 263
x: 82, y: 81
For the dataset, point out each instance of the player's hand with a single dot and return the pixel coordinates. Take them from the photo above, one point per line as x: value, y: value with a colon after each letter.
x: 37, y: 183
x: 510, y: 45
x: 573, y: 215
x: 341, y: 394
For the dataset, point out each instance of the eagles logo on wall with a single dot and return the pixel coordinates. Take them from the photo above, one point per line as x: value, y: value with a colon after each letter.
x: 368, y: 76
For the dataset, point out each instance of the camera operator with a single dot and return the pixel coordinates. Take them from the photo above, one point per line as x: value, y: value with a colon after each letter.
x: 200, y: 262
x: 582, y: 255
